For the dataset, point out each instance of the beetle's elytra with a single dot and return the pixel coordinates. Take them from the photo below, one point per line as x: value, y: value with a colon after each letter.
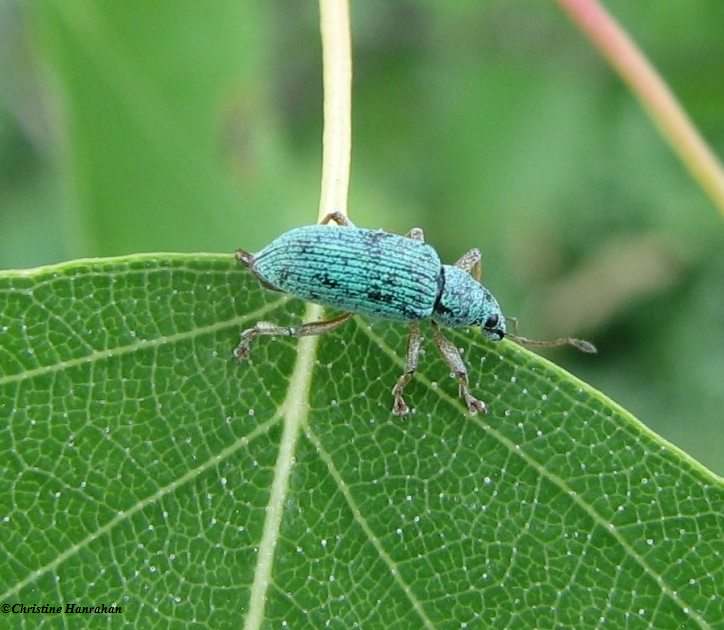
x: 375, y: 273
x: 362, y: 271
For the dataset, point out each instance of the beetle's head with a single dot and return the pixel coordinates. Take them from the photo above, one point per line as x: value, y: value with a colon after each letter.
x: 492, y: 320
x: 494, y: 328
x: 465, y: 302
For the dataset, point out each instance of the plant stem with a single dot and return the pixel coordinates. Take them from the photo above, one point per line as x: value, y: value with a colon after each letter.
x: 337, y: 137
x: 652, y: 92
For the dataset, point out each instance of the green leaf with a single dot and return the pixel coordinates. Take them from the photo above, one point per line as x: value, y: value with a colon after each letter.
x: 142, y: 467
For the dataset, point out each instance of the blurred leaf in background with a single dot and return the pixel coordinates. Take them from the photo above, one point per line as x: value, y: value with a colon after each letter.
x: 131, y: 127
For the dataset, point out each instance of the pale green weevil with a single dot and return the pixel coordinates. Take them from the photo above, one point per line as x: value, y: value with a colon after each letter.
x: 375, y: 273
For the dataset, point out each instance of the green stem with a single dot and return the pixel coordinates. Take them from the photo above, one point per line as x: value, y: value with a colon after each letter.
x: 653, y: 93
x: 337, y: 139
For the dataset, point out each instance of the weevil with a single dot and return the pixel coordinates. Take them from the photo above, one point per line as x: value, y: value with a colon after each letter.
x: 382, y: 275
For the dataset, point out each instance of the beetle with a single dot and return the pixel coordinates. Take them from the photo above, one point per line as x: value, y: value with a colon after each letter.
x: 383, y: 275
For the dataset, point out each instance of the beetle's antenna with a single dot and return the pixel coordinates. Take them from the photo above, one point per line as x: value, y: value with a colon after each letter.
x: 579, y: 344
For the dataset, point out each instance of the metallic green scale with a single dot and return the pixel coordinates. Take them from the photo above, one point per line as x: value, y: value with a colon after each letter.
x: 370, y: 272
x: 384, y: 275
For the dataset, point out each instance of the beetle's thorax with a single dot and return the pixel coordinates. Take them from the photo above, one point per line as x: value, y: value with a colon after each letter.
x: 462, y: 301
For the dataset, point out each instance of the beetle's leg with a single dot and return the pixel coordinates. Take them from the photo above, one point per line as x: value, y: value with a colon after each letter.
x: 243, y: 257
x: 338, y: 218
x: 416, y: 234
x: 302, y: 330
x: 452, y: 357
x: 470, y: 262
x: 414, y: 343
x: 247, y: 259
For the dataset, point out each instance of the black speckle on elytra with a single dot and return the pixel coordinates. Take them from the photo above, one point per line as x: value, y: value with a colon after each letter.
x: 328, y: 282
x: 375, y: 295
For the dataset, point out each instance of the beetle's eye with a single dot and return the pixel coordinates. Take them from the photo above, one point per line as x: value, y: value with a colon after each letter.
x: 491, y: 322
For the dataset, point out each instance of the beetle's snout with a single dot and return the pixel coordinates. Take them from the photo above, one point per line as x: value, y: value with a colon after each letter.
x: 494, y: 334
x: 494, y: 326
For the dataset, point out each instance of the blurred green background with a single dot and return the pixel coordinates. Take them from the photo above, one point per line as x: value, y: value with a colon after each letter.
x: 180, y: 125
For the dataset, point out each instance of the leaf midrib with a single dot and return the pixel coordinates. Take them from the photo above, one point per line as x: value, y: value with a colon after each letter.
x: 295, y: 409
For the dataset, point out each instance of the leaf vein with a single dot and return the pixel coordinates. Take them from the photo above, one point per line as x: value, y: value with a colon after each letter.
x: 140, y: 505
x: 554, y: 479
x: 362, y: 522
x: 101, y: 355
